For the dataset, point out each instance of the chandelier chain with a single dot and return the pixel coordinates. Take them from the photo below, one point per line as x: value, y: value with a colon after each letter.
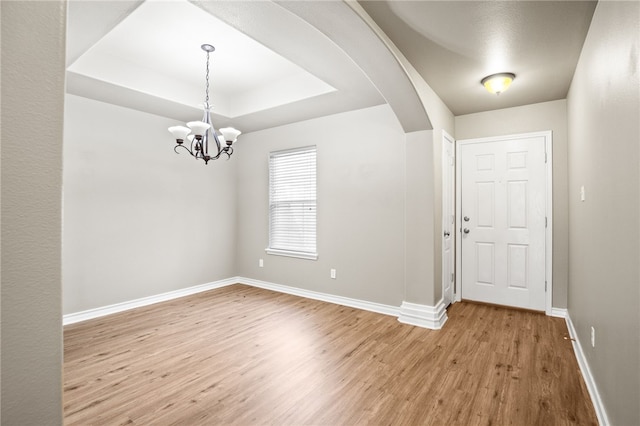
x: 206, y: 99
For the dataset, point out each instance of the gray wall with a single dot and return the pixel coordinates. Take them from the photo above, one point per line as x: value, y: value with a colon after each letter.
x: 424, y: 198
x: 139, y: 220
x: 532, y: 118
x: 33, y: 54
x: 423, y: 191
x: 604, y: 137
x: 420, y: 283
x: 360, y: 160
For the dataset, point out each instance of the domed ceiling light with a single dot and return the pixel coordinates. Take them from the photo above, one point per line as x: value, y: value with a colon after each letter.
x: 200, y: 133
x: 498, y: 83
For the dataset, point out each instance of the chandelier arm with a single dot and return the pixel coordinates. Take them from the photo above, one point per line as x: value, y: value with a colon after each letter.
x: 196, y: 146
x: 198, y: 154
x: 223, y: 152
x: 217, y: 156
x: 175, y: 149
x: 218, y: 144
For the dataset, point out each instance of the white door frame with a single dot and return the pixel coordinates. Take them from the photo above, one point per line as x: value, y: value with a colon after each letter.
x: 447, y: 138
x: 548, y: 210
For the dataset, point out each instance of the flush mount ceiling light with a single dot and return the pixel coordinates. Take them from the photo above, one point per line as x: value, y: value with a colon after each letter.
x: 200, y: 133
x: 498, y: 83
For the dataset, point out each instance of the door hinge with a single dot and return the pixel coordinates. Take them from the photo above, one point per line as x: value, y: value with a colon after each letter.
x: 545, y: 156
x: 453, y: 277
x: 545, y: 286
x: 545, y: 221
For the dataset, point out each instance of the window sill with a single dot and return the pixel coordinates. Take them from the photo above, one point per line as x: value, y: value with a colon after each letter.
x: 297, y: 254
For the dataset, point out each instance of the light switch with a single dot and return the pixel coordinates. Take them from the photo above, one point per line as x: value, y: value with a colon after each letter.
x: 582, y: 193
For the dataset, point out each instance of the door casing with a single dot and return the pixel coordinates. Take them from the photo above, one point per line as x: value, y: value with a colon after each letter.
x: 548, y: 141
x: 448, y: 187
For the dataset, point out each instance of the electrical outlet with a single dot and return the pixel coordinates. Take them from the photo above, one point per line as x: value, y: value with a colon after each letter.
x: 261, y: 263
x: 593, y: 337
x: 333, y: 274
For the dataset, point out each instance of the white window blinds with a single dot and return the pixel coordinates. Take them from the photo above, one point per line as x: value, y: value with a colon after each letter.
x: 292, y: 203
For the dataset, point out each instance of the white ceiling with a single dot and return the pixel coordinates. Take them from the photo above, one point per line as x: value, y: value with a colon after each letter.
x: 154, y: 51
x: 281, y: 62
x: 147, y: 56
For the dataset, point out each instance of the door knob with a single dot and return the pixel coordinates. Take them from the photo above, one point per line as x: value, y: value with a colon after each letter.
x: 446, y: 233
x: 465, y: 230
x: 466, y: 219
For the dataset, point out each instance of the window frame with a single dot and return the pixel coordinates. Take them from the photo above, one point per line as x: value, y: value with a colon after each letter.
x: 291, y: 251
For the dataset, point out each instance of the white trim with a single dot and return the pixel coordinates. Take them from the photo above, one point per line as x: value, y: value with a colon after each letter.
x: 447, y: 138
x: 548, y: 238
x: 426, y: 316
x: 559, y: 312
x: 290, y: 253
x: 324, y: 297
x: 458, y: 225
x: 548, y: 138
x: 598, y: 405
x: 144, y: 301
x: 432, y: 317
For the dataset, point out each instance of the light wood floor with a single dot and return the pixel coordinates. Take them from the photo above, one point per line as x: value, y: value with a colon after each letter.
x: 245, y: 356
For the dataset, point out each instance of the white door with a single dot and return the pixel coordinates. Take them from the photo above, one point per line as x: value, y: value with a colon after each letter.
x: 502, y: 221
x: 448, y: 218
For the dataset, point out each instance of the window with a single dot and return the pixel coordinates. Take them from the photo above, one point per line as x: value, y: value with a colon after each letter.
x: 292, y: 203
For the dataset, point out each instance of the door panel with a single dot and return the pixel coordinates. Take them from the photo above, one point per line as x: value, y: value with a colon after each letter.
x: 503, y: 193
x: 485, y: 263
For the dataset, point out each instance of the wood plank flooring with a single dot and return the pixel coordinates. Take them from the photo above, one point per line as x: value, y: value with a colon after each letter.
x: 245, y: 356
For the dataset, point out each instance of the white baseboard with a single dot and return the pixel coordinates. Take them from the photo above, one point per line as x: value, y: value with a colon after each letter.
x: 432, y: 317
x: 144, y: 301
x: 324, y: 297
x: 559, y: 312
x: 598, y: 405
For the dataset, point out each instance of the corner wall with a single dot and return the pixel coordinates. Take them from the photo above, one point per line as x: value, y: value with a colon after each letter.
x: 420, y: 285
x: 360, y: 228
x: 423, y: 195
x: 137, y: 220
x: 427, y: 277
x: 604, y: 230
x: 533, y: 118
x: 33, y: 62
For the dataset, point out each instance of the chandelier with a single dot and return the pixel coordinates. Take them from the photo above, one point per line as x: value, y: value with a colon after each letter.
x: 201, y: 134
